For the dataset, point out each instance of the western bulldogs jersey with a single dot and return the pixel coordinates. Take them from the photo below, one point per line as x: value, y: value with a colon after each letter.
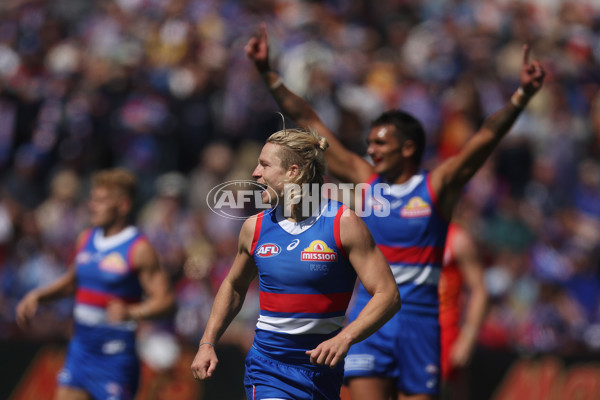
x: 104, y: 272
x: 411, y: 234
x: 305, y: 281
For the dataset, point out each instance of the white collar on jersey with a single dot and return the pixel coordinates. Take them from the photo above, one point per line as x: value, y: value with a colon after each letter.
x: 402, y: 189
x: 296, y: 228
x: 104, y: 243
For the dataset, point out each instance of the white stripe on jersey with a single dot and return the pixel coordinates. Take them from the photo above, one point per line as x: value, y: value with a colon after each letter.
x: 96, y: 316
x: 426, y: 275
x: 299, y: 326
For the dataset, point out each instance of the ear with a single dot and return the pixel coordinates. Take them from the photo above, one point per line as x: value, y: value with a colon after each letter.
x: 292, y: 172
x: 408, y: 148
x: 125, y: 206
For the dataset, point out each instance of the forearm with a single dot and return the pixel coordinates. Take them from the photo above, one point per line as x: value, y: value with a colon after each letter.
x: 298, y: 109
x: 154, y: 307
x: 501, y: 121
x: 226, y: 306
x: 475, y: 312
x: 373, y: 316
x: 63, y: 287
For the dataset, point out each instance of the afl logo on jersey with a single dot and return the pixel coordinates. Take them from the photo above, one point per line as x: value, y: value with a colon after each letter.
x: 268, y: 250
x: 83, y: 258
x: 416, y: 208
x: 318, y: 251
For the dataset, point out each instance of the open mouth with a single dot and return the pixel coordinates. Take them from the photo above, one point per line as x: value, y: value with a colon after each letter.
x: 263, y: 186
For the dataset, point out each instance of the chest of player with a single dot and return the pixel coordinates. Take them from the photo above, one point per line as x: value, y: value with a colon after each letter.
x: 299, y: 261
x: 109, y: 268
x: 403, y: 214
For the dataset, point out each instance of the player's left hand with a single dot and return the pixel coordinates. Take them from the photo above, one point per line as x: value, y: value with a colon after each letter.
x: 460, y: 354
x: 330, y: 352
x: 532, y: 73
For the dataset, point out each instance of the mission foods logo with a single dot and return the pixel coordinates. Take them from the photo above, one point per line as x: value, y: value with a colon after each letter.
x: 268, y: 250
x: 318, y: 251
x: 231, y: 199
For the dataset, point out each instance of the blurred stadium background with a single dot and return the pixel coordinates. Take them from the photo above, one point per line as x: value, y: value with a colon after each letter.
x: 163, y: 87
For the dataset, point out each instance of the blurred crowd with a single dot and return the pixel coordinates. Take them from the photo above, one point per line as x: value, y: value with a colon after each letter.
x: 163, y: 88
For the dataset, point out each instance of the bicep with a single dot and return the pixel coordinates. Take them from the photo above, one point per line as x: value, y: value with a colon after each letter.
x: 244, y: 270
x: 456, y: 171
x: 153, y: 279
x: 367, y: 260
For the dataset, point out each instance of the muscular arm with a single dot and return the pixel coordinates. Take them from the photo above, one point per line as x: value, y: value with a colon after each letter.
x: 375, y: 275
x: 471, y: 267
x: 448, y: 179
x: 342, y: 163
x: 154, y: 282
x: 228, y: 302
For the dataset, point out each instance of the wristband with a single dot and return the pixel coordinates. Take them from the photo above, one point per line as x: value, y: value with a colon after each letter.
x: 276, y: 84
x: 519, y: 99
x: 201, y: 343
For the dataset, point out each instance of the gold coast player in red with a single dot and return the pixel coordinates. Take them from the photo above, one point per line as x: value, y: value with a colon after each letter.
x: 463, y: 269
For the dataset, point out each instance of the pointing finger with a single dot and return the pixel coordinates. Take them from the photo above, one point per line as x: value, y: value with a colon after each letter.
x: 263, y: 32
x: 526, y: 50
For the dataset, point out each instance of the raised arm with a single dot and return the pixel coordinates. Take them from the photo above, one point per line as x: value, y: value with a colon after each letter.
x: 342, y: 163
x: 470, y: 264
x: 448, y: 179
x: 227, y: 304
x: 376, y: 276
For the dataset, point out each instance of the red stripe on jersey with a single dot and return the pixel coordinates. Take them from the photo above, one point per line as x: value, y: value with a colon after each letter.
x: 434, y: 199
x: 412, y: 255
x: 98, y: 299
x: 259, y: 218
x: 336, y: 230
x: 85, y: 238
x: 363, y: 193
x: 372, y: 178
x: 304, y: 303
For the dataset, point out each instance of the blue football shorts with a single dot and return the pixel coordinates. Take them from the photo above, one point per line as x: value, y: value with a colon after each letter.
x: 269, y: 379
x: 407, y: 349
x: 112, y: 376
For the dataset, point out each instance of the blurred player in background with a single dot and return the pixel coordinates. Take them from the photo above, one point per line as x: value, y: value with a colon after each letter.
x: 462, y: 271
x: 307, y: 257
x: 117, y: 281
x: 403, y: 358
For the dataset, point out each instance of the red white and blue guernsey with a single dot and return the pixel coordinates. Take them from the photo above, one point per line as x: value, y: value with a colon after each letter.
x: 411, y: 233
x: 305, y: 286
x: 102, y: 358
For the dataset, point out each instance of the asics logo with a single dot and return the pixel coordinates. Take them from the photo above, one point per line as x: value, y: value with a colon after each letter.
x: 293, y: 245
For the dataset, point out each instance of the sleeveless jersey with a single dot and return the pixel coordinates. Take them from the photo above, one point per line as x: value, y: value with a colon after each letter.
x: 104, y: 272
x: 411, y: 233
x: 305, y: 282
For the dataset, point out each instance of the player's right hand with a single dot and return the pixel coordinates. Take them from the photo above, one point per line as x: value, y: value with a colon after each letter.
x: 257, y: 50
x: 27, y: 308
